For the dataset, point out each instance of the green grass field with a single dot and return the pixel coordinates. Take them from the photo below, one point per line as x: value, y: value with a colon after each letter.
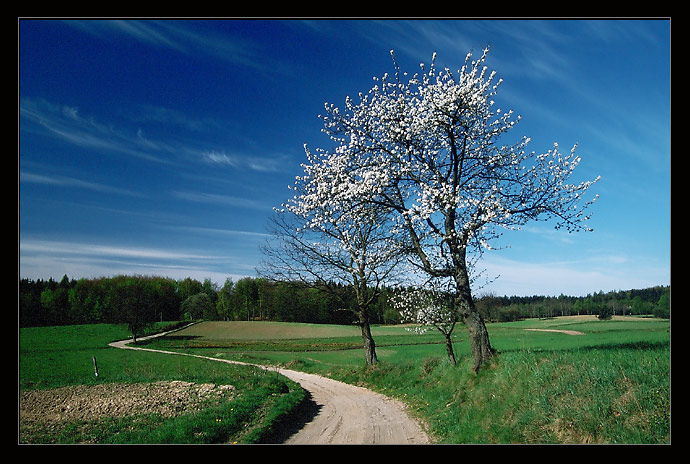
x: 610, y: 385
x: 51, y: 357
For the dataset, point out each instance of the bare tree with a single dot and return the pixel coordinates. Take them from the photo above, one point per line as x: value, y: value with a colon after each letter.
x: 327, y: 244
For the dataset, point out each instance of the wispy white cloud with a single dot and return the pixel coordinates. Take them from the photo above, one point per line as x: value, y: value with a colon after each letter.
x: 170, y: 117
x: 220, y: 158
x: 222, y: 232
x: 537, y: 41
x: 68, y: 124
x: 271, y: 163
x: 143, y: 31
x: 85, y: 249
x: 182, y: 36
x: 43, y: 259
x: 213, y: 198
x: 71, y: 182
x: 549, y: 233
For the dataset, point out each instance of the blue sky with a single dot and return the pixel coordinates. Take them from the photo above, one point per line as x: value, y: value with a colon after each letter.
x: 160, y: 147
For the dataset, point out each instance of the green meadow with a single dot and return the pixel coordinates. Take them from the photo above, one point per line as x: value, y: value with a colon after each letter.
x: 51, y: 357
x: 608, y: 384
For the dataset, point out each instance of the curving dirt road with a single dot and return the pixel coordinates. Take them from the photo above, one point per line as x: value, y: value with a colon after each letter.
x: 338, y: 413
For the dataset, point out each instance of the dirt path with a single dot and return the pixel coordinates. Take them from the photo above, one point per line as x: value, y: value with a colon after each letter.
x: 567, y: 332
x: 338, y: 413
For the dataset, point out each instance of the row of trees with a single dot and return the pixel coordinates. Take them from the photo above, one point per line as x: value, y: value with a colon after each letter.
x: 140, y: 299
x: 654, y: 301
x: 134, y: 300
x: 147, y: 299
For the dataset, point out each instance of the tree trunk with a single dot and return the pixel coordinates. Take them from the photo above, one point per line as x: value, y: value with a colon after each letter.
x: 449, y: 349
x: 480, y: 345
x: 479, y: 338
x: 368, y: 342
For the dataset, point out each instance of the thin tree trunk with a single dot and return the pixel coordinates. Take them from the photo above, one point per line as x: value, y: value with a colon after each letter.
x: 368, y: 342
x: 449, y: 349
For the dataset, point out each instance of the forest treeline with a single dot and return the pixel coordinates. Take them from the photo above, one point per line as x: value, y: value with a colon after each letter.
x: 118, y: 299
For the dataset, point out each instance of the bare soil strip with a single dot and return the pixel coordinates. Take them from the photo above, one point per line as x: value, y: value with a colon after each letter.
x: 86, y: 402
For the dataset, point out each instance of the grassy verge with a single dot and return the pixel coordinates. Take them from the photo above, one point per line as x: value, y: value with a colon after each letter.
x: 606, y: 395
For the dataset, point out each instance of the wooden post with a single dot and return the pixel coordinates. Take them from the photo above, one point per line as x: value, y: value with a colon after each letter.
x: 95, y: 366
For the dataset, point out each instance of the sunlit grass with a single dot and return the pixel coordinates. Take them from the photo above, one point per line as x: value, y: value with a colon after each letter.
x: 610, y: 385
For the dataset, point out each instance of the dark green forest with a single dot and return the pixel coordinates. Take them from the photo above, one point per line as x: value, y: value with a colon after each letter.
x: 143, y: 299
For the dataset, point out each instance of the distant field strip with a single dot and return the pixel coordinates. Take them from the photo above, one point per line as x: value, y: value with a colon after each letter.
x: 568, y: 332
x: 264, y: 330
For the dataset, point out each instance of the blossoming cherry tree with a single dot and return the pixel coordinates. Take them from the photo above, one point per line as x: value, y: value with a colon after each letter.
x: 427, y: 149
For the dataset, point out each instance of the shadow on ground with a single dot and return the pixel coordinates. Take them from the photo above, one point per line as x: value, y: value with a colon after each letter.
x: 305, y: 413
